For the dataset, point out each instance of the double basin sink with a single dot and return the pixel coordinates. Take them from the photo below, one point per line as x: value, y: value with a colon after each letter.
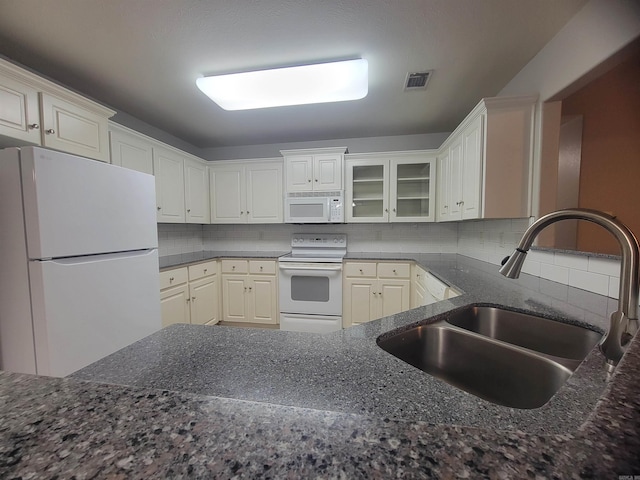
x: 506, y: 357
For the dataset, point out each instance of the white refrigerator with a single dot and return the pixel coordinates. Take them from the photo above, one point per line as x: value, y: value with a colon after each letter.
x: 79, y: 275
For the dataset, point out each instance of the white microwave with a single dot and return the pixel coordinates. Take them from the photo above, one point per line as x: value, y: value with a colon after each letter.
x: 314, y: 207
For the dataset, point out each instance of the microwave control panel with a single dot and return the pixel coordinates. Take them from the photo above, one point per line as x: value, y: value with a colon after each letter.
x: 336, y: 210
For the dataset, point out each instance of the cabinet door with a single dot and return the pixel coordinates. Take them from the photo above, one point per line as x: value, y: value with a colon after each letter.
x: 393, y: 296
x: 359, y: 301
x: 444, y: 187
x: 204, y: 301
x: 71, y: 128
x: 327, y: 172
x: 263, y: 300
x: 174, y: 305
x: 299, y: 173
x: 131, y: 152
x: 410, y: 190
x: 227, y: 184
x: 169, y: 172
x: 472, y: 170
x: 367, y: 193
x: 196, y: 192
x: 455, y: 179
x: 264, y: 193
x: 19, y: 114
x: 234, y: 302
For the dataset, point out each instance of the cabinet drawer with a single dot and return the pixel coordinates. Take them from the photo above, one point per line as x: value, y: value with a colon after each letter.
x: 171, y: 278
x: 360, y: 269
x: 203, y: 270
x: 394, y: 270
x: 235, y: 266
x: 262, y: 267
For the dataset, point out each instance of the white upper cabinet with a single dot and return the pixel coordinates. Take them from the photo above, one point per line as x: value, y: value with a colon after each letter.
x: 19, y: 115
x: 168, y: 167
x: 485, y: 164
x: 36, y: 111
x: 318, y: 169
x: 246, y: 191
x: 391, y: 187
x: 130, y: 150
x: 196, y: 191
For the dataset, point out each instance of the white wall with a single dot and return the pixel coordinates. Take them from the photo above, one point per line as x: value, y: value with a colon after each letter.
x: 355, y: 145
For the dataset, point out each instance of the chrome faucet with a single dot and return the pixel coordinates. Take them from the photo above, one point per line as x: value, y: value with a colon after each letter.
x: 624, y: 321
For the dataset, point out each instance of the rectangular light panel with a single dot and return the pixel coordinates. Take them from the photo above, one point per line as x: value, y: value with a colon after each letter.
x: 318, y: 83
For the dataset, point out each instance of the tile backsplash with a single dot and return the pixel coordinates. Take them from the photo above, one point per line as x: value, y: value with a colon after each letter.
x: 486, y: 240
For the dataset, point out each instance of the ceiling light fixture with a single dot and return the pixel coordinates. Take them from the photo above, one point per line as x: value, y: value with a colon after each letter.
x: 318, y: 83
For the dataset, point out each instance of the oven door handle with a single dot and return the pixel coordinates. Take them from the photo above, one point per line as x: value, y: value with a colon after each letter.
x: 287, y: 267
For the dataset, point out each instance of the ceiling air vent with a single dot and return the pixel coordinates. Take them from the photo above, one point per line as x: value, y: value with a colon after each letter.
x: 417, y: 80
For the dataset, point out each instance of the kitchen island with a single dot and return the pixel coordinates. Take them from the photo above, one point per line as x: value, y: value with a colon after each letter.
x: 222, y: 402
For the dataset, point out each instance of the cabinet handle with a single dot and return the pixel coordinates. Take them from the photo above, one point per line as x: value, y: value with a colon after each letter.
x: 34, y: 126
x: 51, y: 131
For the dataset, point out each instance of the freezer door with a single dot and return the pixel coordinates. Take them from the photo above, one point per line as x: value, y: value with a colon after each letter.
x: 86, y: 308
x: 76, y: 206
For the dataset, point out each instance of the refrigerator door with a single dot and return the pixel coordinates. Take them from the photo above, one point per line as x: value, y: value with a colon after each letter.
x: 86, y: 308
x: 75, y: 206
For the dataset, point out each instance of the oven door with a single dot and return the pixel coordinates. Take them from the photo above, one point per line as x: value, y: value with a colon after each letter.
x: 312, y: 288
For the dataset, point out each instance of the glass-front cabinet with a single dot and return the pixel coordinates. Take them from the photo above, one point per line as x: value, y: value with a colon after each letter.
x: 397, y: 187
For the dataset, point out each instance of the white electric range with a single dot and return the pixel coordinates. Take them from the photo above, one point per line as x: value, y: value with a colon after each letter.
x: 310, y: 283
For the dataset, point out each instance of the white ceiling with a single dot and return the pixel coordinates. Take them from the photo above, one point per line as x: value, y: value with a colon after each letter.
x: 143, y: 56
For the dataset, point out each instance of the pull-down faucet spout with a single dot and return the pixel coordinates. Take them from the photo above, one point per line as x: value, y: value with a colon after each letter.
x: 624, y: 321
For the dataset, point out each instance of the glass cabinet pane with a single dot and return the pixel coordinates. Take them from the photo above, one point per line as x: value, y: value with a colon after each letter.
x: 413, y: 186
x: 368, y: 191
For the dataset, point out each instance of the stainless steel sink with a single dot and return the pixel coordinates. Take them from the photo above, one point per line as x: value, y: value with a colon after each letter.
x: 569, y: 344
x: 487, y: 352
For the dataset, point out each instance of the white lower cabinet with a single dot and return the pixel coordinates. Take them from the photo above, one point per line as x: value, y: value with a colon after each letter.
x: 190, y: 294
x: 374, y: 290
x: 249, y: 291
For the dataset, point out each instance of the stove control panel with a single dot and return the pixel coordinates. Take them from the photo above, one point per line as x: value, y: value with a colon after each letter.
x: 313, y: 240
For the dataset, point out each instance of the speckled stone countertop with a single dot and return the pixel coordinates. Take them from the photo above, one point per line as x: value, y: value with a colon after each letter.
x: 171, y: 261
x: 224, y: 402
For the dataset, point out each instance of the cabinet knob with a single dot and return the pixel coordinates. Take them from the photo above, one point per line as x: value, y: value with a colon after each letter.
x: 309, y: 180
x: 386, y: 210
x: 316, y: 179
x: 171, y: 279
x: 159, y: 208
x: 394, y: 271
x: 188, y: 300
x: 248, y: 212
x: 261, y: 268
x: 205, y: 270
x: 188, y: 210
x: 241, y: 212
x: 233, y: 267
x: 249, y: 288
x: 394, y: 210
x: 34, y: 126
x: 193, y: 298
x: 51, y: 131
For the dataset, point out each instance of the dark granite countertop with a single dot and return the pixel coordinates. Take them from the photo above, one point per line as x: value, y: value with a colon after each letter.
x: 226, y: 402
